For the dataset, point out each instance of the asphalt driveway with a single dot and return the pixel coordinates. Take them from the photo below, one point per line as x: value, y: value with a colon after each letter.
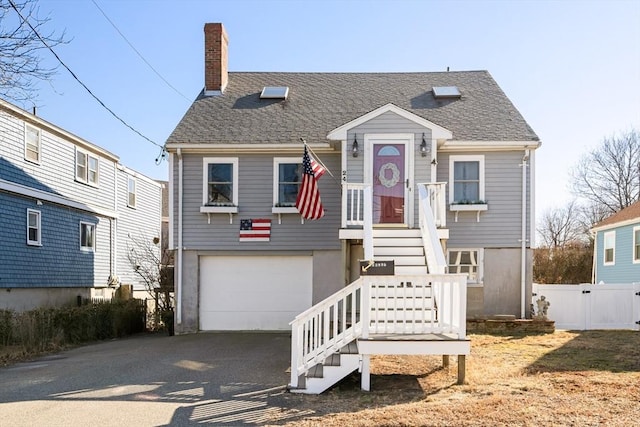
x: 155, y: 380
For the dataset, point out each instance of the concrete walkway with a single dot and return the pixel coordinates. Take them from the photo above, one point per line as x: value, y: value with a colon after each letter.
x: 155, y: 380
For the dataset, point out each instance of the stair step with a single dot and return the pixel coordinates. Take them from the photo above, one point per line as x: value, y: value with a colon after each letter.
x: 402, y: 251
x: 408, y: 260
x: 398, y: 242
x: 351, y: 348
x: 396, y: 232
x: 411, y: 270
x: 333, y: 360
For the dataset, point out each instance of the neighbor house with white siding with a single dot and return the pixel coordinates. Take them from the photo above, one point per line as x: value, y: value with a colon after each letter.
x: 68, y: 211
x: 616, y: 253
x: 430, y: 185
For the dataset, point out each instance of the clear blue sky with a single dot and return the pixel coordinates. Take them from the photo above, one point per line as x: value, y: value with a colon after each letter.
x: 572, y: 68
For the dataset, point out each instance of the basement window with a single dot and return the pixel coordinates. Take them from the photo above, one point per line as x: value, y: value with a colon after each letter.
x: 274, y: 92
x: 467, y: 261
x: 443, y: 92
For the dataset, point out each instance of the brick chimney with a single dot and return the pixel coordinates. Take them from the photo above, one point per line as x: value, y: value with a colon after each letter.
x: 215, y: 59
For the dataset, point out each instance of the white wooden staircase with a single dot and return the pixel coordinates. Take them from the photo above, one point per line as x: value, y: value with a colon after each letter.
x: 408, y: 314
x: 404, y: 246
x: 419, y: 310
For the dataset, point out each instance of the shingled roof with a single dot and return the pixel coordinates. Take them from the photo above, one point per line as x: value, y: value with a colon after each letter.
x: 320, y: 102
x: 629, y: 213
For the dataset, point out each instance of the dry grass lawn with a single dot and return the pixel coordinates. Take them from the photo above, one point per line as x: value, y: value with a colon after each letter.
x: 587, y: 378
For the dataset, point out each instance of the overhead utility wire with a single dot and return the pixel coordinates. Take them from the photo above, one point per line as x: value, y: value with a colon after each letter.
x: 82, y: 84
x: 137, y: 52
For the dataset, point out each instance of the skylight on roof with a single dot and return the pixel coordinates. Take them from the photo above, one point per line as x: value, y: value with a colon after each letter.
x: 446, y: 92
x: 274, y: 92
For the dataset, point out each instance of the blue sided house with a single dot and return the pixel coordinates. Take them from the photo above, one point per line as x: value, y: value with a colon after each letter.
x: 616, y: 255
x: 69, y: 214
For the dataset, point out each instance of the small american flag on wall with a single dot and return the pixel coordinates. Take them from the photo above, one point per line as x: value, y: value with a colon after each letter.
x: 255, y: 230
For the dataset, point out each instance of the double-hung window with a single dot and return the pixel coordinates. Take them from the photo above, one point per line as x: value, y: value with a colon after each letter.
x: 87, y: 236
x: 131, y: 192
x: 220, y: 184
x: 32, y: 144
x: 636, y: 245
x: 34, y: 230
x: 86, y: 168
x: 287, y: 177
x: 469, y: 261
x: 466, y: 179
x: 609, y: 248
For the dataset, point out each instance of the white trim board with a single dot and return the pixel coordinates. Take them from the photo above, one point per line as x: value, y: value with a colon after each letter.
x: 437, y: 131
x: 22, y: 190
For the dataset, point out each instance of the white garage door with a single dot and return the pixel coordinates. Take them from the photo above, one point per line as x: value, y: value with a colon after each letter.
x: 253, y: 292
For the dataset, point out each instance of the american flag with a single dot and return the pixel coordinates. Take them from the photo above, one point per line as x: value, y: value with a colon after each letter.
x: 308, y: 200
x: 255, y: 230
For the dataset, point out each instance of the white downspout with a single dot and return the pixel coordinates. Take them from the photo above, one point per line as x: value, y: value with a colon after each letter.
x: 523, y: 239
x: 179, y: 263
x: 114, y: 224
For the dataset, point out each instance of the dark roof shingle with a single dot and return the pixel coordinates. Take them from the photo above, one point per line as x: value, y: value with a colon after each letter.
x: 321, y: 102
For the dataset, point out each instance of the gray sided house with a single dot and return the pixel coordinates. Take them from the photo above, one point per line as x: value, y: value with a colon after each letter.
x: 392, y: 141
x: 68, y: 213
x: 616, y: 254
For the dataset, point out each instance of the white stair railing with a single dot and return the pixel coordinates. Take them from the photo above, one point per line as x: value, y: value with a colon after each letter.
x: 324, y: 329
x: 436, y: 262
x: 432, y: 303
x: 437, y: 201
x: 367, y: 240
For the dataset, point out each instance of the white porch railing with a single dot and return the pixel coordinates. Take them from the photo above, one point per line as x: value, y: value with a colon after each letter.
x: 354, y: 206
x: 436, y: 262
x: 434, y: 303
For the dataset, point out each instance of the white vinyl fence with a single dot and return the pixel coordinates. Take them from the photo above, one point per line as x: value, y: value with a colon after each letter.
x: 585, y: 307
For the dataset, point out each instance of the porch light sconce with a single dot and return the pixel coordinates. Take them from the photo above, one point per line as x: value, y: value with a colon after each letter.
x: 354, y: 147
x: 423, y: 147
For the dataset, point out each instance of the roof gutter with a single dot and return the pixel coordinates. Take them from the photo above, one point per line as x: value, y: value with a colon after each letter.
x: 249, y: 148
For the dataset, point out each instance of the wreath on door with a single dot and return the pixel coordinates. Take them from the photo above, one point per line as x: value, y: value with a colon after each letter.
x: 395, y: 175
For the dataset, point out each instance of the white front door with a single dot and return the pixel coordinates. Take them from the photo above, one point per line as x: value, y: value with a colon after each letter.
x: 389, y: 171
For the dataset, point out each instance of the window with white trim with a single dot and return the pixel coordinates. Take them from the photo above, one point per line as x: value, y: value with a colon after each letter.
x: 34, y: 230
x: 466, y: 179
x: 220, y: 182
x: 131, y: 192
x: 32, y: 143
x: 469, y: 261
x: 87, y: 169
x: 636, y: 244
x: 287, y: 177
x: 87, y: 236
x: 609, y: 248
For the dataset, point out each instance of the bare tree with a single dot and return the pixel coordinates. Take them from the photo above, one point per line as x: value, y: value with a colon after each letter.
x: 23, y: 35
x: 149, y: 262
x: 609, y: 176
x: 561, y: 226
